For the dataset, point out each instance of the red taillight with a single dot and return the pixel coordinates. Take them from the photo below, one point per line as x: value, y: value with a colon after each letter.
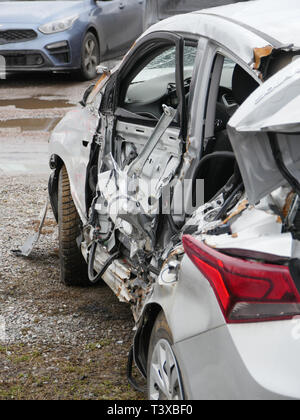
x: 247, y: 291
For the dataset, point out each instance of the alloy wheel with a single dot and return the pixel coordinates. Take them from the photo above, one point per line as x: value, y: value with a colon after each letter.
x: 90, y: 59
x: 164, y: 381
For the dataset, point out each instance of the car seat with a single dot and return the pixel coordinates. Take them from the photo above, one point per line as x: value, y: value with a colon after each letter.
x: 216, y: 172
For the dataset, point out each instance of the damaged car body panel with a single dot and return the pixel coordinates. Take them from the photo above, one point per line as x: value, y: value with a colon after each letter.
x: 125, y: 212
x: 269, y: 116
x: 79, y: 124
x: 198, y: 98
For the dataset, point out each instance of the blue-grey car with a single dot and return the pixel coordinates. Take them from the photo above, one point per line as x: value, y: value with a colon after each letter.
x: 157, y: 10
x: 69, y: 35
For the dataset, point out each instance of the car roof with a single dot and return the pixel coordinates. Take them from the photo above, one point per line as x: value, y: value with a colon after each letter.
x: 241, y: 27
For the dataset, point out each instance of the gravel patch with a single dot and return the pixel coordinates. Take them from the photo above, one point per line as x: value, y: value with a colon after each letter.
x: 55, y: 342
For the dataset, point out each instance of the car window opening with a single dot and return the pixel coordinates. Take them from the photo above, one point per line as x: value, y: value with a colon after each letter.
x: 234, y: 86
x: 155, y: 83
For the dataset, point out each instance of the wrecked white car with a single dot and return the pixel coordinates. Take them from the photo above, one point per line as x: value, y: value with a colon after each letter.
x: 213, y: 277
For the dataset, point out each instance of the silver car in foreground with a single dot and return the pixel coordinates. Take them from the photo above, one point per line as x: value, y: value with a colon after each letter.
x: 210, y: 99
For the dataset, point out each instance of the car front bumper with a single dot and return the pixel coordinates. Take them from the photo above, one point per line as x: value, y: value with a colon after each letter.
x: 55, y: 52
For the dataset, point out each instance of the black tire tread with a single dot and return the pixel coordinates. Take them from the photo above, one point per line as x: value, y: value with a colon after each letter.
x: 73, y: 267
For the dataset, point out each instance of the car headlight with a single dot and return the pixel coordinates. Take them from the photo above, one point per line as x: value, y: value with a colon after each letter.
x: 58, y: 26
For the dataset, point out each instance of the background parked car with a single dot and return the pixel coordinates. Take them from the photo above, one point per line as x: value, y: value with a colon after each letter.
x: 70, y: 35
x: 161, y: 9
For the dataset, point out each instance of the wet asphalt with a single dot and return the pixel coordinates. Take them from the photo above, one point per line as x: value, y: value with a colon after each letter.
x: 31, y: 105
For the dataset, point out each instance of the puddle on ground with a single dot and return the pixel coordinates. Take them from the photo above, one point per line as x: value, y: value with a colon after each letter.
x: 36, y: 103
x: 30, y: 124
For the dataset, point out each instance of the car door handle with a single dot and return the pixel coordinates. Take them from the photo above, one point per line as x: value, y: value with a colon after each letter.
x: 122, y: 6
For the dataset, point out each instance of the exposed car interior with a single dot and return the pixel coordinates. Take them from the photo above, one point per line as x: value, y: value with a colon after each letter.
x: 155, y: 83
x: 235, y: 87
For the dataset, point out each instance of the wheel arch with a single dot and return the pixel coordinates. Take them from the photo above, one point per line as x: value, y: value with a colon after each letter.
x: 189, y: 305
x: 143, y: 335
x: 94, y: 31
x: 56, y: 163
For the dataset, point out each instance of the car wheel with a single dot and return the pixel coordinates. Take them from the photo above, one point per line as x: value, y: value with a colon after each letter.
x: 163, y: 374
x: 90, y: 57
x: 73, y: 267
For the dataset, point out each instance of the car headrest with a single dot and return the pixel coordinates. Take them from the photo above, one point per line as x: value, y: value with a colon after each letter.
x: 242, y: 84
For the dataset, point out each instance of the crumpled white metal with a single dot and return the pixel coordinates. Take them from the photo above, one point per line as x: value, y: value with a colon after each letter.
x: 273, y: 107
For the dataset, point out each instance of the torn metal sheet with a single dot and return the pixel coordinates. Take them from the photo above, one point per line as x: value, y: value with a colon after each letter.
x: 260, y: 53
x: 128, y: 199
x: 32, y: 241
x: 118, y: 276
x: 267, y: 228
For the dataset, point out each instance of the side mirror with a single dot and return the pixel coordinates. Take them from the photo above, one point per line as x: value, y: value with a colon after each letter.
x: 86, y: 95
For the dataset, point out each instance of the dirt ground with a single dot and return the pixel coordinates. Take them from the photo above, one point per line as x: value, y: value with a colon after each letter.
x: 55, y: 342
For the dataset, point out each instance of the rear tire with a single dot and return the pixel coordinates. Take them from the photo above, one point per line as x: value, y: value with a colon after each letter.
x: 163, y: 375
x: 73, y: 268
x: 90, y: 57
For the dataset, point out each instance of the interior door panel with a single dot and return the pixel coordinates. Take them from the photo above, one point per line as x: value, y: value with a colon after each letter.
x: 131, y: 139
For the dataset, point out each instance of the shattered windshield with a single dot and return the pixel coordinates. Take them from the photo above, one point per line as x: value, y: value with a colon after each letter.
x: 167, y: 59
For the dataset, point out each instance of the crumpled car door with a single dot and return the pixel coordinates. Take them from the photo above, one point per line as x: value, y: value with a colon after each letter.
x: 264, y: 133
x: 130, y: 192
